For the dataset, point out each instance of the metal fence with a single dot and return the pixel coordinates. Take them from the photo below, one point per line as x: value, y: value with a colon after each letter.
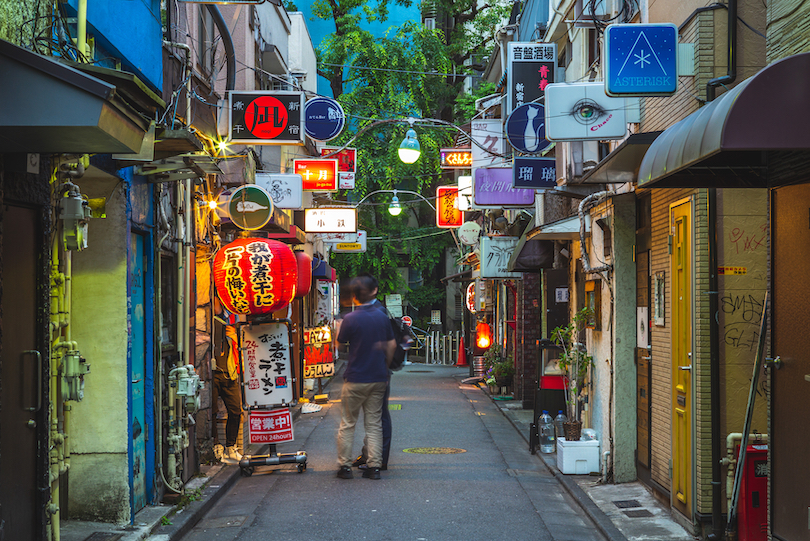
x: 437, y: 348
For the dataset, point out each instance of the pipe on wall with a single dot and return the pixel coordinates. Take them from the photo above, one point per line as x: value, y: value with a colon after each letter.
x: 731, y: 74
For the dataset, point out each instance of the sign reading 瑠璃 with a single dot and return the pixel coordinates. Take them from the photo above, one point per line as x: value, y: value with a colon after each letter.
x: 530, y: 68
x: 267, y: 364
x: 641, y: 59
x: 270, y: 426
x: 534, y: 173
x: 266, y: 118
x: 319, y: 358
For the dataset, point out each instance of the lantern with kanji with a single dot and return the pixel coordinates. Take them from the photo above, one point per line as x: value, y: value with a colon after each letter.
x: 304, y: 274
x: 255, y: 276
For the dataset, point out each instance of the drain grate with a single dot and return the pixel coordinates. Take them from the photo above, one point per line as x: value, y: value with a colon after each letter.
x: 434, y: 450
x: 104, y: 536
x: 394, y: 406
x: 624, y: 504
x: 637, y: 513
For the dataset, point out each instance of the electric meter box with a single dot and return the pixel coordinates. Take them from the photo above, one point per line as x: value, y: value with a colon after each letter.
x: 752, y: 512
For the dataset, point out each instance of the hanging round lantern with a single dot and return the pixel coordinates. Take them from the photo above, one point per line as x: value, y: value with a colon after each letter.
x: 304, y: 274
x: 469, y: 298
x: 483, y: 335
x: 255, y: 276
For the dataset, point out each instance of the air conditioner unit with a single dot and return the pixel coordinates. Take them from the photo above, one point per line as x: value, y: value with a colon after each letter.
x: 430, y: 23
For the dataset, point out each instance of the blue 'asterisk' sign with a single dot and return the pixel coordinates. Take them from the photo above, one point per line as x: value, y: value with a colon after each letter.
x: 641, y: 59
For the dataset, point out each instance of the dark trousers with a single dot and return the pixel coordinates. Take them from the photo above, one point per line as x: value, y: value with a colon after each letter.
x: 386, y: 427
x: 230, y: 393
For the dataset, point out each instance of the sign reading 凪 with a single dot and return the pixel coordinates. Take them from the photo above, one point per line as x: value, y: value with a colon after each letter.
x: 266, y: 118
x: 267, y: 365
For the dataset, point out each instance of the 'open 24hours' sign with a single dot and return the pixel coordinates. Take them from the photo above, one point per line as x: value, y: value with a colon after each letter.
x: 267, y: 364
x: 266, y: 118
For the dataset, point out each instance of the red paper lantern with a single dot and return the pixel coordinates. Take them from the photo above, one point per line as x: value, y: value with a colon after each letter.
x: 304, y: 274
x: 255, y: 276
x: 483, y: 335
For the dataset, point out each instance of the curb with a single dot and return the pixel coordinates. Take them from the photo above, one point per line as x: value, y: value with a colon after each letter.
x: 599, y: 518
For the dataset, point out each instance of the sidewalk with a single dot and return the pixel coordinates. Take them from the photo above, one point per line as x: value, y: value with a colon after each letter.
x: 651, y: 521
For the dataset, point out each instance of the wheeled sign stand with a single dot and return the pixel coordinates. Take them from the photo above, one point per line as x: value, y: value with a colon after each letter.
x: 267, y: 391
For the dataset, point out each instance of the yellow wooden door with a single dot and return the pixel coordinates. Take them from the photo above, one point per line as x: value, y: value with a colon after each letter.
x: 681, y: 268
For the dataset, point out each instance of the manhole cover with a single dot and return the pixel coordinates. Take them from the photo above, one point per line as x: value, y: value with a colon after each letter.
x: 434, y: 450
x: 104, y: 536
x: 637, y: 513
x: 394, y: 406
x: 624, y: 504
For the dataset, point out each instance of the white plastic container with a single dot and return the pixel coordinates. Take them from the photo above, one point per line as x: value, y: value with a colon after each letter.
x: 577, y: 457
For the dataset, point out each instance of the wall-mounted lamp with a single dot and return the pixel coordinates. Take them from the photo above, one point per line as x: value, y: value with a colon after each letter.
x: 409, y: 149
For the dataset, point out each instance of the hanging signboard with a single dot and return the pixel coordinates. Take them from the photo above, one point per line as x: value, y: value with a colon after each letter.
x: 346, y: 181
x: 534, y: 173
x: 531, y: 67
x: 469, y: 297
x: 468, y: 233
x: 641, y: 59
x: 266, y: 118
x: 456, y: 158
x: 286, y: 190
x: 323, y: 118
x: 250, y: 207
x: 267, y: 364
x: 273, y: 426
x: 358, y: 245
x: 495, y: 255
x: 346, y: 158
x: 489, y: 135
x: 582, y: 111
x: 326, y: 220
x: 447, y: 213
x: 317, y: 175
x: 526, y: 128
x: 493, y: 188
x: 319, y: 359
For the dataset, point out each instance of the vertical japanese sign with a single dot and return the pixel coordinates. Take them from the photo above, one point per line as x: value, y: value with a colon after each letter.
x: 347, y: 165
x: 447, y: 213
x: 531, y: 68
x: 267, y: 364
x: 319, y: 357
x: 487, y: 133
x: 270, y: 118
x: 274, y: 426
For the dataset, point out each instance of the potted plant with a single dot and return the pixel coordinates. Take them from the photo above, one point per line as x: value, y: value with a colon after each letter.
x: 499, y: 371
x: 574, y: 363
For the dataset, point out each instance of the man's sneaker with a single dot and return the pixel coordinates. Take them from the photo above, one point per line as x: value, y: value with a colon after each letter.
x: 232, y: 455
x: 219, y: 451
x: 359, y: 462
x: 345, y: 472
x: 371, y: 473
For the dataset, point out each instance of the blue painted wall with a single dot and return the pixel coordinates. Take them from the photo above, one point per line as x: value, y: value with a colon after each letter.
x: 319, y: 29
x: 128, y: 30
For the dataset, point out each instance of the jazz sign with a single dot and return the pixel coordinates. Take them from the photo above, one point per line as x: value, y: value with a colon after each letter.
x: 319, y: 359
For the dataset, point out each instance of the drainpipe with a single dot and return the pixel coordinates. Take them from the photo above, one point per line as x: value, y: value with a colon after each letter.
x: 187, y: 49
x: 227, y: 42
x: 731, y: 75
x: 714, y: 361
x: 81, y: 30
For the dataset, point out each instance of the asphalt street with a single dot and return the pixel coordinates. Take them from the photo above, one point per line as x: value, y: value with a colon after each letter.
x: 472, y: 478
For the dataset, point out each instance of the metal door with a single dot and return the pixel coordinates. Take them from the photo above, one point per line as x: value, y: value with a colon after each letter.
x: 681, y: 288
x: 20, y: 376
x: 790, y: 409
x: 137, y: 416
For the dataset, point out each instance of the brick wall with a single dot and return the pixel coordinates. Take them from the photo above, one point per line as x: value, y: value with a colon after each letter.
x: 529, y: 331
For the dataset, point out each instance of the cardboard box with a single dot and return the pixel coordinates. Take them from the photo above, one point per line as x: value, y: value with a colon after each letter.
x: 578, y: 457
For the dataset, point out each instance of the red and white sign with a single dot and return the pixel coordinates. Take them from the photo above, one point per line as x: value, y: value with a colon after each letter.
x: 318, y: 175
x: 407, y: 320
x: 346, y: 158
x: 274, y: 426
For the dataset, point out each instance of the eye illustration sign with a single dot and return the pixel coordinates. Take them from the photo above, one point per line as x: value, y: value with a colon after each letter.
x: 269, y: 118
x: 267, y: 364
x: 582, y: 111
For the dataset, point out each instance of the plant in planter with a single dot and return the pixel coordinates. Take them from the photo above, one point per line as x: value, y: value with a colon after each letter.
x: 574, y: 362
x: 499, y: 371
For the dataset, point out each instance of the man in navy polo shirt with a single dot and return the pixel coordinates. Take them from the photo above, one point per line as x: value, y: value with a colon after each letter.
x: 367, y: 333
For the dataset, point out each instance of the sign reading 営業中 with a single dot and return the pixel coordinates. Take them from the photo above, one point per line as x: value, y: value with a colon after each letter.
x: 273, y: 426
x: 641, y: 59
x: 269, y: 118
x: 530, y: 68
x: 267, y: 365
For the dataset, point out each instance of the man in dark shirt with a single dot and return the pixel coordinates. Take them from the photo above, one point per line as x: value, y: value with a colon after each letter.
x: 367, y: 333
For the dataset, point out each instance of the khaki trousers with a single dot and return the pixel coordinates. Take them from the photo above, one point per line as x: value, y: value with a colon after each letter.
x: 369, y: 397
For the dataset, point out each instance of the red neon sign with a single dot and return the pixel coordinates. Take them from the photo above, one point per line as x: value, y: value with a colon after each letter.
x: 447, y: 213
